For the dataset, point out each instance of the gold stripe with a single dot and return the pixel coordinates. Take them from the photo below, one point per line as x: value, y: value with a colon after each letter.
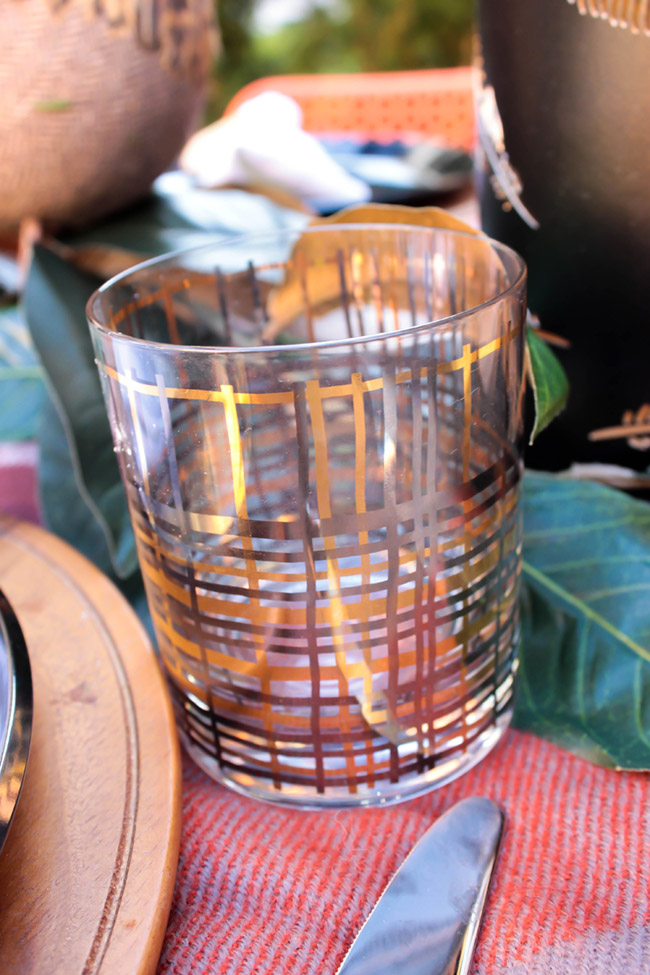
x: 208, y: 395
x: 444, y: 647
x: 329, y: 392
x: 239, y: 487
x: 334, y: 613
x: 360, y: 501
x: 467, y: 405
x: 209, y: 568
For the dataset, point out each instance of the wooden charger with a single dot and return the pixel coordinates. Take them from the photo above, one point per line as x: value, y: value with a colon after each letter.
x: 87, y: 872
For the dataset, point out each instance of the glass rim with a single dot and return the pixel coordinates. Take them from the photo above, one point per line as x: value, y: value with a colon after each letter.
x: 220, y: 241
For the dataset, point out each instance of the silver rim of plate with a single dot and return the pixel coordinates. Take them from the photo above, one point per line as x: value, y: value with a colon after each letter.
x: 16, y: 713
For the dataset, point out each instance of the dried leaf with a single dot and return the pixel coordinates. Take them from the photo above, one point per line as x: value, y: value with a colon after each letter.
x: 287, y: 302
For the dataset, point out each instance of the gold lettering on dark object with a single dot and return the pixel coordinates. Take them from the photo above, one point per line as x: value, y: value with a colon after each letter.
x: 635, y: 428
x: 504, y: 178
x: 641, y: 419
x: 633, y: 15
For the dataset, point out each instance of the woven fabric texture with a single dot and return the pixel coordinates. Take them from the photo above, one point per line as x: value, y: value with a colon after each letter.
x: 270, y: 891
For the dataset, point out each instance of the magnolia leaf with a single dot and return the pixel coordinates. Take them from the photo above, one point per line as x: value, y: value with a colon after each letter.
x: 65, y: 505
x: 55, y: 299
x: 548, y: 380
x: 22, y: 391
x: 287, y: 302
x: 16, y: 346
x: 394, y: 213
x: 103, y: 261
x: 70, y: 516
x: 584, y: 674
x: 22, y: 394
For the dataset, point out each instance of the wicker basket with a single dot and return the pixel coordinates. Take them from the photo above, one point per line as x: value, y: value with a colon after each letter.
x: 97, y: 98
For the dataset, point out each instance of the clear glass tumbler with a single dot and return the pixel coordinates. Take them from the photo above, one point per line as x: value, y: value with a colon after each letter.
x: 319, y: 435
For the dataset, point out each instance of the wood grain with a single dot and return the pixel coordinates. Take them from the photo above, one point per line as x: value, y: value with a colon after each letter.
x: 87, y: 872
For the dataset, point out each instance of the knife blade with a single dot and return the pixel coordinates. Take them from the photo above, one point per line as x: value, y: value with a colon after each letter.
x: 427, y: 919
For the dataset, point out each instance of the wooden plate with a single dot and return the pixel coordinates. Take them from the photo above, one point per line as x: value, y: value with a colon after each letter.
x: 87, y: 872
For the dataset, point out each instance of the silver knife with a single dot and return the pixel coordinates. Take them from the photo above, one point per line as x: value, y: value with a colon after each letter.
x: 427, y: 920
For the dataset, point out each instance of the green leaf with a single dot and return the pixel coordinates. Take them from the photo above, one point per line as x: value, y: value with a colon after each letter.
x: 22, y: 391
x: 65, y: 506
x: 584, y: 676
x: 21, y: 401
x: 548, y: 379
x: 55, y: 300
x: 69, y: 515
x: 16, y: 346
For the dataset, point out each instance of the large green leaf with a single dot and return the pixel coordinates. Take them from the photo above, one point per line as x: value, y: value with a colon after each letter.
x: 69, y: 514
x: 55, y: 300
x: 22, y: 391
x: 65, y: 505
x: 584, y: 678
x: 22, y: 394
x: 548, y: 380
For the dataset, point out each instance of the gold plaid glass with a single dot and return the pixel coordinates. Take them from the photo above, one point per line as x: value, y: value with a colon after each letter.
x: 319, y: 436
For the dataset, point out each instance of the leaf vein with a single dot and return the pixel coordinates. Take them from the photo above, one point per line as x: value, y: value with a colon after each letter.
x: 597, y: 619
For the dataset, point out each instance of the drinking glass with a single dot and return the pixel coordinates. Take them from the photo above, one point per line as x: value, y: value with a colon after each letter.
x: 319, y: 436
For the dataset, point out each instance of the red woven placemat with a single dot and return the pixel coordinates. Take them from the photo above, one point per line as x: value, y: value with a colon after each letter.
x: 267, y: 891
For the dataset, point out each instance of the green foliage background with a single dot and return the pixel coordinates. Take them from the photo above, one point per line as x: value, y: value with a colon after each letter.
x: 356, y: 35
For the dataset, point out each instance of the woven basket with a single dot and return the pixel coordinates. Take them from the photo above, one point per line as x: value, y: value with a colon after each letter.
x: 97, y: 97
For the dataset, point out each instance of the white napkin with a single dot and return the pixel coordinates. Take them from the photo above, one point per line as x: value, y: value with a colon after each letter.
x: 263, y: 144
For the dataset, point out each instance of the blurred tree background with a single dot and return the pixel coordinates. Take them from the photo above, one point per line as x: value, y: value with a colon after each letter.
x: 336, y: 35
